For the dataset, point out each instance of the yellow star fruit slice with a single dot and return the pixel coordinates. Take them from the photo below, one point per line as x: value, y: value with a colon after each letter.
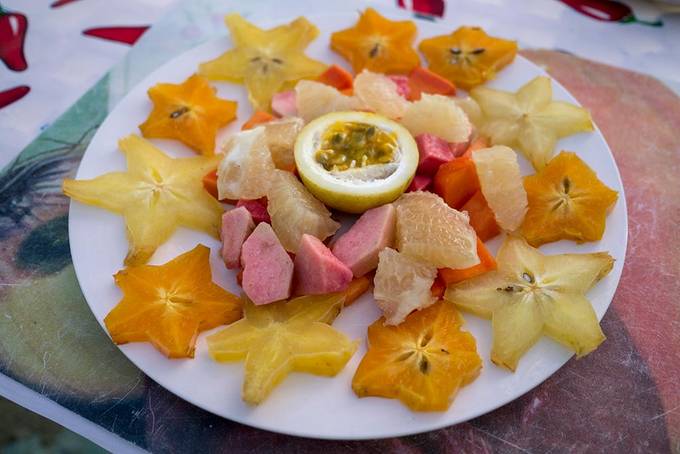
x: 155, y: 195
x: 532, y: 294
x: 423, y: 362
x: 265, y: 61
x: 566, y: 202
x: 529, y: 120
x: 378, y: 44
x: 170, y: 304
x: 189, y: 112
x: 431, y: 231
x: 467, y: 57
x: 279, y: 338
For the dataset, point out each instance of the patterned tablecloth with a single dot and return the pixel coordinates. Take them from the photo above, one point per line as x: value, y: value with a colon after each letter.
x: 625, y: 397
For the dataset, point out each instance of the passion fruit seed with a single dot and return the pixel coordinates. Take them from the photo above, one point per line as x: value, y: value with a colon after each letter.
x: 349, y: 145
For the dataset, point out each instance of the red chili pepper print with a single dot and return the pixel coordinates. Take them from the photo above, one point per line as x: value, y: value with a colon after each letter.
x: 125, y: 35
x: 7, y: 97
x: 13, y: 28
x: 607, y: 11
x: 426, y: 7
x: 59, y: 3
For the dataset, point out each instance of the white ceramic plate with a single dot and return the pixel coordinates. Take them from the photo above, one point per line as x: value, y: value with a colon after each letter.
x: 307, y: 405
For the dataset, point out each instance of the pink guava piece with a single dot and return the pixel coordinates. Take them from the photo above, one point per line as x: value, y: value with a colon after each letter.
x: 257, y: 208
x: 283, y: 104
x: 420, y: 183
x: 237, y: 224
x: 317, y: 270
x: 360, y: 246
x: 403, y: 87
x: 434, y: 151
x: 267, y: 267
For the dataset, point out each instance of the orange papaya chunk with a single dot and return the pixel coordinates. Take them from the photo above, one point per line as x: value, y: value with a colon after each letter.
x: 422, y: 80
x: 486, y: 263
x: 338, y: 77
x: 456, y: 181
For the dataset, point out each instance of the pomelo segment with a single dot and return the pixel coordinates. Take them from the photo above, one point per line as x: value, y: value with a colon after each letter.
x: 432, y: 232
x: 437, y: 115
x: 402, y: 285
x: 380, y: 94
x: 501, y: 183
x: 314, y: 99
x: 246, y: 169
x: 294, y: 212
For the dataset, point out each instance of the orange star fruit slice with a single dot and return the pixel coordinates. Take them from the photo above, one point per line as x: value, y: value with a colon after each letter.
x: 468, y: 57
x: 567, y: 201
x: 423, y: 362
x: 169, y: 305
x: 189, y: 112
x: 378, y: 44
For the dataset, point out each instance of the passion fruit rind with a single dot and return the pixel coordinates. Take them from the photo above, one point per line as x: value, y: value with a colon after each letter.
x: 355, y: 189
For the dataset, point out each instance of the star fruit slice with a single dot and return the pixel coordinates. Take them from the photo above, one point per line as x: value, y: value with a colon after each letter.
x: 531, y: 294
x: 279, y: 338
x: 378, y: 44
x: 467, y: 57
x: 265, y: 61
x: 169, y: 305
x: 155, y: 195
x: 189, y: 112
x: 423, y: 362
x: 566, y: 202
x: 529, y: 120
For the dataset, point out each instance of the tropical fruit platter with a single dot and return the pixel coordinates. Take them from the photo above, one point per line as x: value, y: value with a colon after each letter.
x: 395, y: 176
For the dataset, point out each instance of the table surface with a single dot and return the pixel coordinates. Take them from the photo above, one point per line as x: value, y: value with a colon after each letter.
x: 55, y: 359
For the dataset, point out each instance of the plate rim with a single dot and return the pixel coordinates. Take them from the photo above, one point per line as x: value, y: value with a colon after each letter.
x: 394, y: 433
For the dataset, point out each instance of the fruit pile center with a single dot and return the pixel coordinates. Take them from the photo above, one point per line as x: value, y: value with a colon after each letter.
x: 350, y: 145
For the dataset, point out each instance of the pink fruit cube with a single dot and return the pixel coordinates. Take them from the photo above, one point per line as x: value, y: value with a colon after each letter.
x: 257, y: 208
x: 317, y: 270
x: 360, y: 246
x: 420, y: 183
x: 433, y: 151
x: 458, y: 148
x: 267, y: 268
x: 237, y: 224
x: 283, y: 104
x: 403, y: 88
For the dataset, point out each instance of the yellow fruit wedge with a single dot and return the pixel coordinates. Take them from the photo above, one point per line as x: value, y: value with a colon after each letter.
x: 437, y: 115
x: 294, y: 212
x: 402, y: 285
x: 529, y: 120
x: 155, y: 195
x: 279, y: 338
x: 247, y: 168
x: 531, y: 294
x: 501, y: 183
x: 434, y: 233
